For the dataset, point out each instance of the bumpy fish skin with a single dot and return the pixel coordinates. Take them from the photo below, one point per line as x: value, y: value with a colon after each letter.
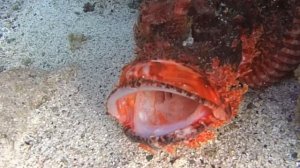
x: 209, y: 51
x: 271, y: 51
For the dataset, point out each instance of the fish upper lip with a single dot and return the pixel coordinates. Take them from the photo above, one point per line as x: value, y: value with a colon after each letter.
x: 174, y: 74
x: 178, y: 76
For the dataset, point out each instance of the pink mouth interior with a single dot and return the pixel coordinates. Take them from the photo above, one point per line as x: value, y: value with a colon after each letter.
x: 153, y: 111
x: 158, y: 113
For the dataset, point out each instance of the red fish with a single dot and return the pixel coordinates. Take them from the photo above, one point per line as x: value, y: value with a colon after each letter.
x: 195, y: 60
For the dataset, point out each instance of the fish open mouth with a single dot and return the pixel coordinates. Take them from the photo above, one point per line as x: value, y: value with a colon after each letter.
x: 161, y: 101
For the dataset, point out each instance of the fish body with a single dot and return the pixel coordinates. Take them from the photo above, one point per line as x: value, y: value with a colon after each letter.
x: 195, y: 59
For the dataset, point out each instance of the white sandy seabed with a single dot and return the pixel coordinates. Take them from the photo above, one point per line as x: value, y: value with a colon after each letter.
x: 52, y: 96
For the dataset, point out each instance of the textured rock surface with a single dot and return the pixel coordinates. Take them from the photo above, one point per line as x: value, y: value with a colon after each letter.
x: 297, y: 120
x: 23, y: 91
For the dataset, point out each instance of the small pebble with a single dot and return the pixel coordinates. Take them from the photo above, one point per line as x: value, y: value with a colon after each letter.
x: 88, y: 7
x: 149, y: 157
x: 294, y: 155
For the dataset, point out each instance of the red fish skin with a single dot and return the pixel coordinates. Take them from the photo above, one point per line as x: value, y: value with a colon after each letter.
x: 268, y: 54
